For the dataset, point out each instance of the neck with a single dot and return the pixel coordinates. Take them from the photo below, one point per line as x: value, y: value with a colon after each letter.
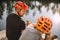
x: 16, y: 13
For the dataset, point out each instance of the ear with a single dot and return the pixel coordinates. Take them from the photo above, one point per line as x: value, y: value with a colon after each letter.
x: 16, y: 9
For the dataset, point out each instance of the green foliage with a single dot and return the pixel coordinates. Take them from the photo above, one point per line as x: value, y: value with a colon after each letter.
x: 1, y: 10
x: 29, y: 2
x: 9, y: 7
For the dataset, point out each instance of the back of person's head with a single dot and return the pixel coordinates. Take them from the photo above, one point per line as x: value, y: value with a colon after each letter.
x: 44, y: 24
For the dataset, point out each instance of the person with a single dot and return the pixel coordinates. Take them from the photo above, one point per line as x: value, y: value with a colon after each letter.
x: 33, y: 31
x: 14, y: 23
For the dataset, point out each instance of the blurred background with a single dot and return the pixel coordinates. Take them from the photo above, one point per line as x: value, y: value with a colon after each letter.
x: 37, y: 8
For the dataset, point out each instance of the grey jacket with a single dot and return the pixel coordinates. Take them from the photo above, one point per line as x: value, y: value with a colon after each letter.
x: 30, y: 33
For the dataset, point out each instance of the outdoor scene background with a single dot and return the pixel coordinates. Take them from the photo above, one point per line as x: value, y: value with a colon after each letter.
x: 37, y: 8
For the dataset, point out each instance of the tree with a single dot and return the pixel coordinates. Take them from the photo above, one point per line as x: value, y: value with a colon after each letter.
x: 29, y: 2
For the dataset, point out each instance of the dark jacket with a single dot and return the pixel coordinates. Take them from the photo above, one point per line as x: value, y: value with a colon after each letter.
x: 14, y: 25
